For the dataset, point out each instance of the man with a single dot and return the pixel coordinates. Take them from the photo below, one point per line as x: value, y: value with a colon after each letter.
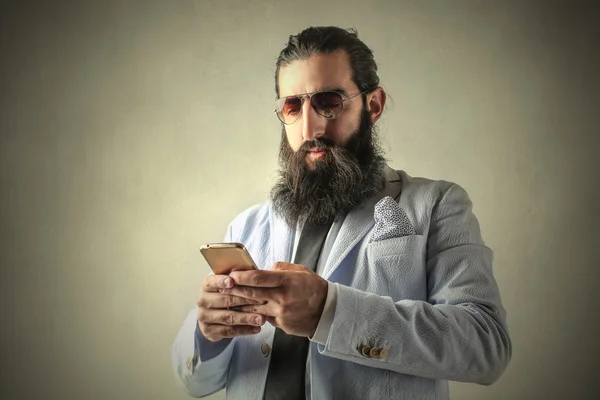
x: 373, y: 284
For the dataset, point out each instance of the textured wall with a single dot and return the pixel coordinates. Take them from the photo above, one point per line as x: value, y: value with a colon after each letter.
x: 134, y: 131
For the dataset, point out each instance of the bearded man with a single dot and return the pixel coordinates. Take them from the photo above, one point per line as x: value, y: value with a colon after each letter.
x: 372, y: 284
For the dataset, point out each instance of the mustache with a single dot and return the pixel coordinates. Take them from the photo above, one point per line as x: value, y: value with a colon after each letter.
x: 318, y: 143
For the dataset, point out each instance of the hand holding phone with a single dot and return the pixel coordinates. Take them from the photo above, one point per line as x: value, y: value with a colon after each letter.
x: 217, y: 317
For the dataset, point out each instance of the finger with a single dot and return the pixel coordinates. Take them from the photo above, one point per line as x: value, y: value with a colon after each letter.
x: 221, y: 300
x: 217, y: 332
x: 213, y: 283
x: 265, y: 309
x: 283, y: 266
x: 230, y: 317
x: 258, y: 278
x: 254, y: 293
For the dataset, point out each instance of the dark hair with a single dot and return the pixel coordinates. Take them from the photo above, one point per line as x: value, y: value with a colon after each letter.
x: 328, y: 39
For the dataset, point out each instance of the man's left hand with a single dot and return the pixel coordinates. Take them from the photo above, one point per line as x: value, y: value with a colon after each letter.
x: 294, y: 294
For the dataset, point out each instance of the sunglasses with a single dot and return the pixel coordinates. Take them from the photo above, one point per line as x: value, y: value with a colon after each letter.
x: 327, y: 104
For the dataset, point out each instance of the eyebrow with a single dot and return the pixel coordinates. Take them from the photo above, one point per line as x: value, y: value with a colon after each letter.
x: 324, y: 89
x: 335, y: 89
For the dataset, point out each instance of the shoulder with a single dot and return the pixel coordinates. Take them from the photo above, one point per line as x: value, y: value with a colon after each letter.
x: 251, y: 219
x: 429, y: 201
x: 428, y: 190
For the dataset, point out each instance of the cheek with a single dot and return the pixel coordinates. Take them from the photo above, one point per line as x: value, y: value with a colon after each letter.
x: 342, y: 130
x: 294, y: 136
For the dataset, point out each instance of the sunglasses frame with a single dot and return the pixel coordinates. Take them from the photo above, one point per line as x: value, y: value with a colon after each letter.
x: 309, y: 96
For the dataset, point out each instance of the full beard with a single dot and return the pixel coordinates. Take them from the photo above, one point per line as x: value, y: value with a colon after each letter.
x: 318, y: 191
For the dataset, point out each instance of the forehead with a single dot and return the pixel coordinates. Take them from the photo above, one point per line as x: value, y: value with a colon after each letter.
x: 316, y: 73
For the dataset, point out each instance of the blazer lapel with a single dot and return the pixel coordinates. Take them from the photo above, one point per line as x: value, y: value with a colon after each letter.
x: 358, y: 222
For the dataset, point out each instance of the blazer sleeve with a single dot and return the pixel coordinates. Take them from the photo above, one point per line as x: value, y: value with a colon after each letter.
x: 459, y: 334
x: 200, y: 366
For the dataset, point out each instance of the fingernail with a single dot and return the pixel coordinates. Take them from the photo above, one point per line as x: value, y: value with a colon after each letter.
x: 256, y: 330
x: 227, y: 282
x: 257, y: 321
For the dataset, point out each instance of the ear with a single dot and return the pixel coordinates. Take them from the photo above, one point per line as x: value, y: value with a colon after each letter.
x: 375, y: 103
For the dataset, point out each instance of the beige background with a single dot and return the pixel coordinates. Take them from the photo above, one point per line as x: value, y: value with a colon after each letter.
x: 133, y: 132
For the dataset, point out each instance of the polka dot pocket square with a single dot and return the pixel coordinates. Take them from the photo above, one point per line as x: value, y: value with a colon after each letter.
x: 390, y: 221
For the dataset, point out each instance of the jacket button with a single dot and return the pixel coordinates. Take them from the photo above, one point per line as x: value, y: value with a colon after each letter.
x: 366, y: 350
x: 265, y: 349
x: 375, y: 352
x: 383, y: 354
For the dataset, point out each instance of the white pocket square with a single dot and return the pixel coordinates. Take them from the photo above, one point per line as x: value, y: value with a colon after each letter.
x: 390, y: 221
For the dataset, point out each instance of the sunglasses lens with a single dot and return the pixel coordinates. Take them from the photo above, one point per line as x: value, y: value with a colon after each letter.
x: 328, y: 104
x: 288, y: 109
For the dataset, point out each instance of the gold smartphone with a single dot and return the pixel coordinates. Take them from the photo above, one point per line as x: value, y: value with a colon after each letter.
x: 223, y: 258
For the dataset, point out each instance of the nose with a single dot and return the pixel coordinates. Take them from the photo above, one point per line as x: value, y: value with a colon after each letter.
x: 313, y: 124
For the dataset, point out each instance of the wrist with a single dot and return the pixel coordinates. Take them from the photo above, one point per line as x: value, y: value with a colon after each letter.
x: 321, y: 334
x: 322, y: 300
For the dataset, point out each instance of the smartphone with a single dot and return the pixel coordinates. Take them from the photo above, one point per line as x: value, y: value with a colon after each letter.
x: 223, y: 258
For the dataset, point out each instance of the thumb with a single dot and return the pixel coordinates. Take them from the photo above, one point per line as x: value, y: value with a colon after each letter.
x: 283, y: 266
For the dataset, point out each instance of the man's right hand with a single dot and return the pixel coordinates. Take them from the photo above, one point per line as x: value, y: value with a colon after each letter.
x: 216, y: 319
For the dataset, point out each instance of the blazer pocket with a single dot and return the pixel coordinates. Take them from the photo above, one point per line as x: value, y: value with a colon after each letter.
x: 397, y: 268
x: 411, y: 244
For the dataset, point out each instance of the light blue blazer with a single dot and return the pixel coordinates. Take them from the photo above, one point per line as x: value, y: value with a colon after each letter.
x: 428, y: 302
